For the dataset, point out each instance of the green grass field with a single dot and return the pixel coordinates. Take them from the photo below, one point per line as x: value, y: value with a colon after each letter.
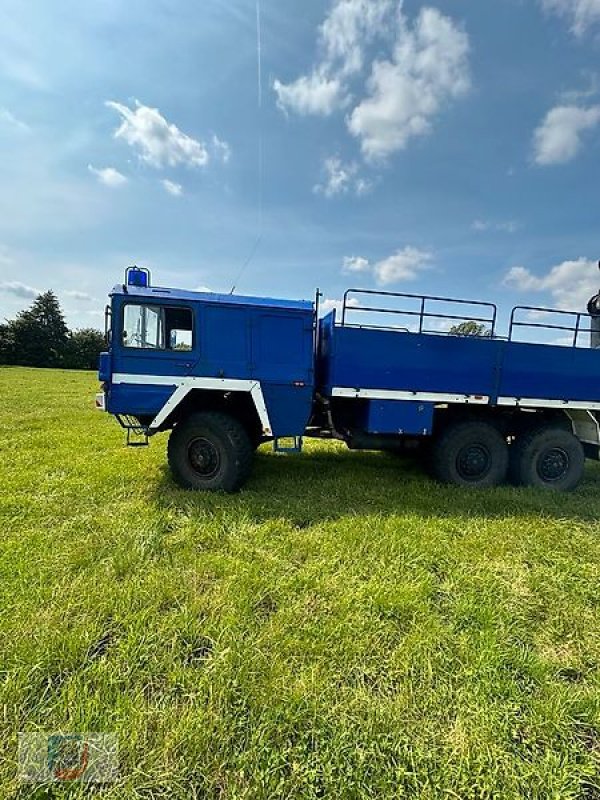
x: 342, y: 628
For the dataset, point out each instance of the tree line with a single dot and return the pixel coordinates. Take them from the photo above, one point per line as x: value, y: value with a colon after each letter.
x: 39, y: 337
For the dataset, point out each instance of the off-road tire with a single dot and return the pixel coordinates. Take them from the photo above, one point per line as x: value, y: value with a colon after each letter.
x: 210, y: 451
x: 549, y: 457
x: 470, y: 453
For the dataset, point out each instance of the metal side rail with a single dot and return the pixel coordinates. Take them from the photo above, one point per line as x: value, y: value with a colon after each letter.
x: 423, y: 309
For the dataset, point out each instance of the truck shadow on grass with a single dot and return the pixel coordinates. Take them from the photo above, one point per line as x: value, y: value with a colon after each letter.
x: 328, y: 485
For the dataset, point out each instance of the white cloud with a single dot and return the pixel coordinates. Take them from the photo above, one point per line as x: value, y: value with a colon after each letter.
x: 82, y: 296
x: 341, y: 178
x: 582, y: 14
x: 328, y: 305
x: 523, y: 279
x: 484, y: 225
x: 221, y: 149
x: 571, y: 97
x: 558, y: 139
x: 109, y: 176
x: 19, y: 289
x: 363, y: 186
x: 350, y: 25
x: 429, y: 67
x: 176, y: 189
x: 403, y: 265
x: 356, y: 264
x: 159, y: 143
x: 8, y: 118
x: 348, y: 28
x: 310, y: 94
x: 570, y: 283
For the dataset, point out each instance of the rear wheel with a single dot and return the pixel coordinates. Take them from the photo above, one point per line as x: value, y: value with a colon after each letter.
x: 471, y: 454
x: 549, y: 458
x: 210, y: 451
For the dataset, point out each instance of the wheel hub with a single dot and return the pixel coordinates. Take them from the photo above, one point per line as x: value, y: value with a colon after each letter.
x: 553, y: 464
x: 204, y: 457
x: 473, y: 462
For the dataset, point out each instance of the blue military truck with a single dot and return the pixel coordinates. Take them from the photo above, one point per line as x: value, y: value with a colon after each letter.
x: 226, y: 373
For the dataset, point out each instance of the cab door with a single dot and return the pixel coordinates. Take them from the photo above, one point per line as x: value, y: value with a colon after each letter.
x: 154, y: 346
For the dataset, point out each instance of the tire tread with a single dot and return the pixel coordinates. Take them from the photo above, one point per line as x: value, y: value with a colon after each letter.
x: 234, y: 432
x: 520, y: 471
x: 443, y: 456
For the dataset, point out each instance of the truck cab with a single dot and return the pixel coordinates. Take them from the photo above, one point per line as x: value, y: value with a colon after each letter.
x: 178, y: 360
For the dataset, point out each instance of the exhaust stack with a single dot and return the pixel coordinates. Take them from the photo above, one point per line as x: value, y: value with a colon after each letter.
x: 594, y: 312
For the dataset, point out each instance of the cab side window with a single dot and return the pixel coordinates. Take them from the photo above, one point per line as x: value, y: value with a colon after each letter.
x: 150, y: 327
x: 142, y: 327
x: 179, y: 328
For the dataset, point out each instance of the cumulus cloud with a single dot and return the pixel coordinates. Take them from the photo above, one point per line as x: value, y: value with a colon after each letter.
x: 429, y: 68
x: 310, y: 94
x: 343, y: 36
x: 559, y: 138
x: 19, y: 289
x: 158, y: 143
x: 581, y: 14
x: 570, y: 283
x: 349, y: 26
x: 356, y: 264
x: 390, y: 101
x: 176, y: 189
x: 341, y: 178
x: 403, y: 265
x: 109, y: 176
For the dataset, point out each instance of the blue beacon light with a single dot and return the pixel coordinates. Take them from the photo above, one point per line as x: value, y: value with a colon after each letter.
x: 137, y: 276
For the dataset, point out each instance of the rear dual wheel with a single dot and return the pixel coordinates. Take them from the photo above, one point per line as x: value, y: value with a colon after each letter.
x: 476, y: 454
x: 550, y: 457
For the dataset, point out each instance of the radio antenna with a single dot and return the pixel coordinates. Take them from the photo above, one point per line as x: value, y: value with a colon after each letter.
x: 259, y: 234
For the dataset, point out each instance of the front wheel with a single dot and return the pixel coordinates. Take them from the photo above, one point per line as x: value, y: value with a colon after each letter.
x: 471, y: 454
x: 548, y: 458
x: 210, y: 451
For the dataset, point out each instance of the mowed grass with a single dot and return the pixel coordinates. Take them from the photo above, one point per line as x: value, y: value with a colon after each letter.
x: 344, y: 627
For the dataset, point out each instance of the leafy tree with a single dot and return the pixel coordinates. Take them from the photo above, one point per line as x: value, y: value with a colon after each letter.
x: 83, y: 349
x: 6, y: 344
x: 39, y: 334
x: 470, y: 328
x: 39, y: 337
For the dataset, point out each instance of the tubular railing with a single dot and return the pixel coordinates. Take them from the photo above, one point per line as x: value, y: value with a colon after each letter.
x: 423, y: 313
x: 576, y: 329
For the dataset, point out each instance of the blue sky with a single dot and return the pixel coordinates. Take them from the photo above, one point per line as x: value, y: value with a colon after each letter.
x: 447, y: 148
